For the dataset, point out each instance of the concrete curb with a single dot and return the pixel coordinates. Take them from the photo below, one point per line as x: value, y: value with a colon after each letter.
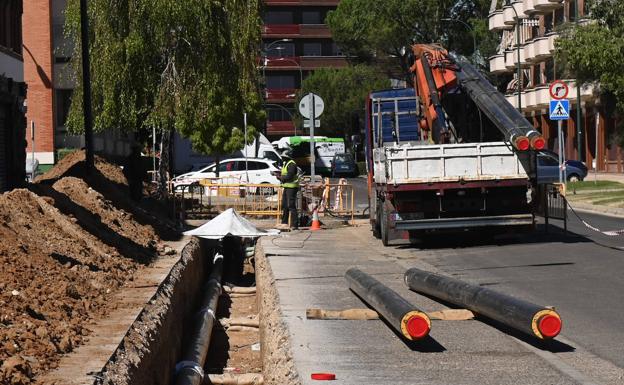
x: 603, y: 210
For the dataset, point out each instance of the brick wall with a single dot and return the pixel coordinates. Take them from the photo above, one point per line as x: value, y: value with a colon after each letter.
x: 38, y: 69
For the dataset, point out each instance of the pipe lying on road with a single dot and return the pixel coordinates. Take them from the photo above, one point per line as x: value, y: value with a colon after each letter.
x: 527, y: 317
x: 190, y: 370
x: 404, y: 317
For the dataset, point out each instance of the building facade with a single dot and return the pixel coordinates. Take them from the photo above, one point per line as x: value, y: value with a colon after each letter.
x: 12, y: 97
x: 296, y: 41
x: 536, y: 23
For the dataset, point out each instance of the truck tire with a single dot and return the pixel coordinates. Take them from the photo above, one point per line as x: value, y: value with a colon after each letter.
x: 376, y: 226
x: 384, y: 225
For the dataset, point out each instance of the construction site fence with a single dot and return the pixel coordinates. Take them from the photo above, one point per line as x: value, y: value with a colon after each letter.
x: 335, y: 199
x: 203, y: 199
x: 210, y: 197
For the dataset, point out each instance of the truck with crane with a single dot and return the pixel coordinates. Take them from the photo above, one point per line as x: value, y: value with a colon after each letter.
x: 449, y: 153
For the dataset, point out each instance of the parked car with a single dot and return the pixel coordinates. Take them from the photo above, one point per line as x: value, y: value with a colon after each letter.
x: 344, y: 165
x: 548, y: 168
x: 260, y: 171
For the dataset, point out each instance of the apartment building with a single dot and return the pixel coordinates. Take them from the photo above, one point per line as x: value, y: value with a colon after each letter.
x: 296, y: 41
x: 12, y: 96
x: 536, y: 23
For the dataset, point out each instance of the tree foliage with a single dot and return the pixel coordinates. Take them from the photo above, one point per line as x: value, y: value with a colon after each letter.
x: 344, y: 92
x: 594, y: 51
x: 185, y: 65
x: 376, y: 31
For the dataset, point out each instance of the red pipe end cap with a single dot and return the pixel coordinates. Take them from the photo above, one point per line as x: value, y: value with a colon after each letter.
x: 538, y: 143
x: 523, y: 143
x: 549, y: 325
x: 323, y: 376
x: 417, y: 327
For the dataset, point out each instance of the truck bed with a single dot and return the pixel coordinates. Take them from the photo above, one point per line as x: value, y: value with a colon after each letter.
x: 408, y: 163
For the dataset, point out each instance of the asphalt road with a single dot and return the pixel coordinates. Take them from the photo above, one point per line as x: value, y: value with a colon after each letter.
x: 581, y: 274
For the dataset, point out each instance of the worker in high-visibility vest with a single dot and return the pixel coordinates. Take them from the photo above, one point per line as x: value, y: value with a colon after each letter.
x: 290, y: 182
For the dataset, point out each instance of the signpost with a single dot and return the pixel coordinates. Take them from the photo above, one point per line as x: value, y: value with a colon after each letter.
x: 311, y: 107
x: 560, y: 111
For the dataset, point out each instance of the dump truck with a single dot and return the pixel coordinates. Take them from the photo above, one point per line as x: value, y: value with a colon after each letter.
x: 448, y: 153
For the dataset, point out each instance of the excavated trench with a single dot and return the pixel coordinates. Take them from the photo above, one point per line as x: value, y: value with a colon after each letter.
x: 248, y: 342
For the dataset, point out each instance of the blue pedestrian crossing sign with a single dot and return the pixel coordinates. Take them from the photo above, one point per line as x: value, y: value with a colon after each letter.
x: 560, y: 109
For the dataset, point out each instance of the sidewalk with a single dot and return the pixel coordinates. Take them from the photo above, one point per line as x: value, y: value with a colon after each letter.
x: 308, y: 269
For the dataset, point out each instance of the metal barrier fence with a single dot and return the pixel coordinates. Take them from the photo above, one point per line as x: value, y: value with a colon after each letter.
x: 335, y: 199
x: 205, y: 198
x: 556, y: 205
x: 210, y: 197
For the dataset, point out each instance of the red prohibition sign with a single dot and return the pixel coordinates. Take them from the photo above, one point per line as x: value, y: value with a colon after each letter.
x: 558, y: 90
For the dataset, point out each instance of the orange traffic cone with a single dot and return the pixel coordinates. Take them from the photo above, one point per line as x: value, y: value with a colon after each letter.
x: 316, y: 224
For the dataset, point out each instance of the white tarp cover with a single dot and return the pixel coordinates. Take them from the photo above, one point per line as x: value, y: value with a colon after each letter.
x: 228, y: 223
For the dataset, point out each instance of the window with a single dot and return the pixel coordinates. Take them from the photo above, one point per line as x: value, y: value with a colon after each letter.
x: 550, y: 70
x: 227, y: 166
x: 280, y: 49
x: 336, y: 51
x: 279, y: 114
x: 280, y: 81
x: 572, y: 10
x: 559, y: 16
x: 548, y: 23
x: 271, y: 156
x: 312, y: 49
x: 11, y: 25
x: 311, y: 17
x: 546, y: 161
x: 278, y: 17
x: 62, y: 103
x: 261, y: 165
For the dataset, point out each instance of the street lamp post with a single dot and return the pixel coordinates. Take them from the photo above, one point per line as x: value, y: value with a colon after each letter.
x: 579, y: 112
x: 518, y: 21
x: 472, y: 32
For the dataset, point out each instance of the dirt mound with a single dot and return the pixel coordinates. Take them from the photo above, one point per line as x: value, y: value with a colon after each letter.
x: 54, y: 278
x: 74, y: 165
x: 99, y: 215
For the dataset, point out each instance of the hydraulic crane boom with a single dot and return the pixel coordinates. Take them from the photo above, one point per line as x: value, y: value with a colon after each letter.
x: 437, y: 73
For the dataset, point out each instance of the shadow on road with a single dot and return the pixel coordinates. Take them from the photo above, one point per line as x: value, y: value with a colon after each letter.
x: 467, y: 239
x: 426, y: 345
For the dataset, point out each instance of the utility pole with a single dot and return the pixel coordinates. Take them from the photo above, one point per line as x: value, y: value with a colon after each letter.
x: 86, y: 86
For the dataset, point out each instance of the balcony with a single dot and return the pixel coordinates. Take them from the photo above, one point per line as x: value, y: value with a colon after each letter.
x: 314, y: 62
x: 512, y: 99
x: 543, y: 6
x: 510, y: 63
x: 318, y: 31
x: 497, y: 64
x: 530, y: 99
x: 588, y: 91
x: 305, y: 63
x: 523, y: 62
x: 316, y: 3
x: 529, y: 51
x: 541, y: 48
x: 509, y: 17
x: 280, y: 128
x: 280, y: 95
x: 529, y: 8
x: 496, y: 21
x: 518, y: 5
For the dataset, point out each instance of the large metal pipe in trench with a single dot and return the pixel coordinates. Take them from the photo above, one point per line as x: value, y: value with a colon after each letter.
x: 189, y: 371
x: 527, y: 317
x: 404, y: 317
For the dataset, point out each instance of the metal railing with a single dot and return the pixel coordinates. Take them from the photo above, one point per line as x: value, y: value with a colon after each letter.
x: 335, y: 199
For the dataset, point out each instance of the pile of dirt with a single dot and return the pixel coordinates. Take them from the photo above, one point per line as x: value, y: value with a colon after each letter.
x: 68, y: 243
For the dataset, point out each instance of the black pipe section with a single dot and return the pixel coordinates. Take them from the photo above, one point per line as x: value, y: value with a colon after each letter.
x: 190, y: 371
x: 487, y: 98
x: 527, y: 317
x: 404, y: 317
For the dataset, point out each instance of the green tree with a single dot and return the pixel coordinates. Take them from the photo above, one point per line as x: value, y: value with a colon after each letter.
x: 594, y: 52
x: 344, y: 92
x: 375, y: 32
x: 185, y: 65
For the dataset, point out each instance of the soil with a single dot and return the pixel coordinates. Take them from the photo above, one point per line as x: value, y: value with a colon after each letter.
x: 68, y: 243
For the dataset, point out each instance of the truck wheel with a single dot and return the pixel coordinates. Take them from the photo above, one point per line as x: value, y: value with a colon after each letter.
x: 384, y: 225
x: 375, y: 226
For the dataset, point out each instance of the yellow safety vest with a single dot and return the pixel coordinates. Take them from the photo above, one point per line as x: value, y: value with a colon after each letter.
x: 294, y: 183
